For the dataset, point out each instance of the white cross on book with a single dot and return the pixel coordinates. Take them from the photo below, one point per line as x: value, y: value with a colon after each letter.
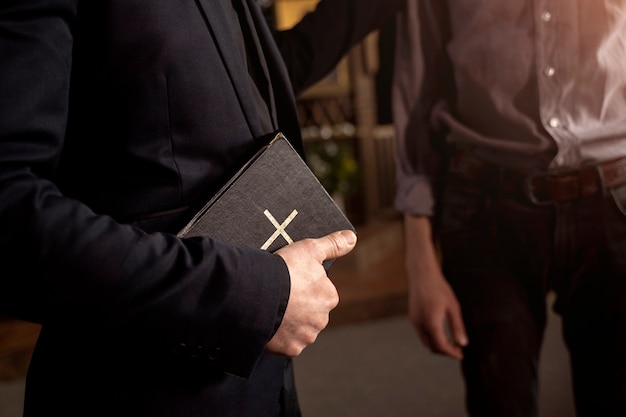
x: 280, y: 228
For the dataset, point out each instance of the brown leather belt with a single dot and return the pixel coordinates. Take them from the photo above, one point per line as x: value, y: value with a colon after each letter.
x: 545, y: 187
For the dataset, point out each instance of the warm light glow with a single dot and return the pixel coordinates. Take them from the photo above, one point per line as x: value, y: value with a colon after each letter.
x: 289, y: 12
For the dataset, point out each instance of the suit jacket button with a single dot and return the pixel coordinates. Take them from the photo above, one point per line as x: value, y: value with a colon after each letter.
x: 213, y: 353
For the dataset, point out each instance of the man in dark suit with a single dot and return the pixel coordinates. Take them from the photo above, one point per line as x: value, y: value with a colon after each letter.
x: 115, y: 116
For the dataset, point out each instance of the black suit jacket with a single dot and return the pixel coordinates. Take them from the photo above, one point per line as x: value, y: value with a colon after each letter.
x: 115, y: 116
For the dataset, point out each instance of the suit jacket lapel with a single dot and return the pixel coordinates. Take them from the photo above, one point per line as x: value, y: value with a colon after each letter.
x: 218, y: 25
x: 279, y: 80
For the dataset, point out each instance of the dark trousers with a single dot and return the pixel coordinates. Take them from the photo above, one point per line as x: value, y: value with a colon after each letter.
x: 502, y: 256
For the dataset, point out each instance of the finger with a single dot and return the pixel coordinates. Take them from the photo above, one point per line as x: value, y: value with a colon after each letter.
x: 452, y: 350
x: 457, y: 328
x: 445, y: 346
x: 337, y: 244
x: 439, y: 342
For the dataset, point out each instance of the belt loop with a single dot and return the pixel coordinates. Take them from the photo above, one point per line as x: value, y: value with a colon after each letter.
x: 529, y: 191
x: 600, y: 172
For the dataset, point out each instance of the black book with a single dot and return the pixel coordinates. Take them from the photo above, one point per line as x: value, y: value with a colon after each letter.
x: 273, y: 200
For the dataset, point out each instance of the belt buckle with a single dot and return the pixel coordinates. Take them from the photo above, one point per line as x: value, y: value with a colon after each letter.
x: 529, y: 190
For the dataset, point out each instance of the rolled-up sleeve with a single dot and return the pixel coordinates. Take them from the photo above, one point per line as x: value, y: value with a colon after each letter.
x: 420, y: 85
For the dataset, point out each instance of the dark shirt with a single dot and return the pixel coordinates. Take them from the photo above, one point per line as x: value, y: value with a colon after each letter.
x: 528, y: 84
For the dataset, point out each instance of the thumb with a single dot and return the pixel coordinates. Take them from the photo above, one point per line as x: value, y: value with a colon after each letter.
x: 337, y: 244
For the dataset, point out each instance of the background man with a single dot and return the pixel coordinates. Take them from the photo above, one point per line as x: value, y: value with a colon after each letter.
x: 511, y: 122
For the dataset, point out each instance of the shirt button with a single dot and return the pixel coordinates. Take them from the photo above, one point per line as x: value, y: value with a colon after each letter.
x: 554, y: 122
x: 546, y: 16
x: 549, y: 71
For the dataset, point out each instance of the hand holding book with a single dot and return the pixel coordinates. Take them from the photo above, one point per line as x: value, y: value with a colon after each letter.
x: 312, y: 295
x: 275, y: 203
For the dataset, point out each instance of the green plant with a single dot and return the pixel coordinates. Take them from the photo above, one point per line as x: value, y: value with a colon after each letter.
x: 334, y: 164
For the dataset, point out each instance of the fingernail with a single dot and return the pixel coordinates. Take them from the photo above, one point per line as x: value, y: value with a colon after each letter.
x: 349, y: 236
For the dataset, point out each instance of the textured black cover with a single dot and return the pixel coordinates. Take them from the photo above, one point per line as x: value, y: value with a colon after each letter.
x: 272, y: 200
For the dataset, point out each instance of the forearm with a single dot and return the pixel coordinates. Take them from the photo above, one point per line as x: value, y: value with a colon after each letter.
x: 421, y: 254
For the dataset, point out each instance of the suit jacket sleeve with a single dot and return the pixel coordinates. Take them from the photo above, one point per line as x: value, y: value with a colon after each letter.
x: 313, y: 47
x: 65, y: 265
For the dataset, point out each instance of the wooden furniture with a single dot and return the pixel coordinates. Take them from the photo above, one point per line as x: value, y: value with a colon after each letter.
x: 17, y: 339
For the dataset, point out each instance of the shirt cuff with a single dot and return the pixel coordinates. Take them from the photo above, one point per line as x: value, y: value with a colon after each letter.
x: 414, y: 196
x: 285, y: 290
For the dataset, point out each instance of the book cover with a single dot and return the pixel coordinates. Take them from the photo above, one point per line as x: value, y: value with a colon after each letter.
x: 273, y: 200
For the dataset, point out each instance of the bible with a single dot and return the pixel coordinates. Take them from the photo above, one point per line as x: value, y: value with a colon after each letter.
x: 273, y: 200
